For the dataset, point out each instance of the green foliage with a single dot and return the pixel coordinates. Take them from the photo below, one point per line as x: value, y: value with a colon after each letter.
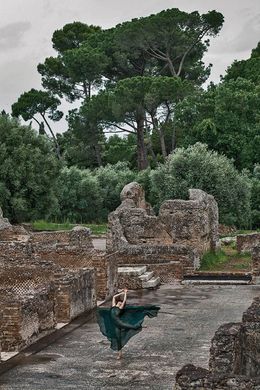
x: 198, y: 167
x: 120, y: 149
x: 112, y: 179
x: 248, y: 69
x: 173, y: 41
x: 210, y: 260
x: 72, y: 35
x: 131, y: 61
x: 226, y: 117
x: 78, y: 68
x: 255, y: 200
x: 36, y: 102
x: 79, y: 196
x: 225, y: 259
x: 28, y: 171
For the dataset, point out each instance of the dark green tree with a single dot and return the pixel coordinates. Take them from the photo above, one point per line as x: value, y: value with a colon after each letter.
x: 174, y: 39
x: 34, y: 102
x: 79, y: 196
x: 135, y: 106
x: 226, y: 117
x: 78, y: 67
x: 248, y: 69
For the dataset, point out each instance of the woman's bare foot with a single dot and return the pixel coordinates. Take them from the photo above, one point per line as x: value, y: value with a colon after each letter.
x: 120, y: 355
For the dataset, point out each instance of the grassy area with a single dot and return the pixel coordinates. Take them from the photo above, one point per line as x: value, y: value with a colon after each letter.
x: 226, y: 259
x: 51, y: 226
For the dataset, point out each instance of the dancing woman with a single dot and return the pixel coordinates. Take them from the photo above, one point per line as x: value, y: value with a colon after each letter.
x: 121, y: 322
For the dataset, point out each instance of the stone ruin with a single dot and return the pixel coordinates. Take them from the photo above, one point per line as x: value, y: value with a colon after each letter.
x: 48, y: 278
x: 169, y: 244
x: 234, y: 357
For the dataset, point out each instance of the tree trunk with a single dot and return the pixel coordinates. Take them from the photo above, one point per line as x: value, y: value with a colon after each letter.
x: 173, y: 139
x: 57, y: 146
x: 98, y: 154
x: 141, y: 148
x: 150, y: 148
x: 162, y: 142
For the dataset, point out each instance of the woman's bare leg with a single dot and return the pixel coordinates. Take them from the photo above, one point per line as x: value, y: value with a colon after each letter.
x: 119, y: 356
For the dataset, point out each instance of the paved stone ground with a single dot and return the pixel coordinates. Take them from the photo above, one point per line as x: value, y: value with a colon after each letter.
x: 179, y: 335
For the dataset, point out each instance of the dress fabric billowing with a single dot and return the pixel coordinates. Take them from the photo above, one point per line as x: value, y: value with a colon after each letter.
x: 119, y: 325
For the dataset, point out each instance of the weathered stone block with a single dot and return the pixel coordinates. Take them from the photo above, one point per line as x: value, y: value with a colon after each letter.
x: 246, y: 242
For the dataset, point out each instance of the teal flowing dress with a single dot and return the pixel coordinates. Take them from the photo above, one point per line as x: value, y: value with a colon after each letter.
x: 119, y: 325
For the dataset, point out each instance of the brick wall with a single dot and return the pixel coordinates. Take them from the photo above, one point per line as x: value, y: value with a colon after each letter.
x: 256, y: 260
x: 76, y: 293
x: 169, y: 263
x: 24, y: 318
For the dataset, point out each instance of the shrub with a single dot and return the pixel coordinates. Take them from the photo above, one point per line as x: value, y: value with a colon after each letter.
x: 28, y: 171
x: 198, y: 167
x: 111, y: 180
x: 79, y: 196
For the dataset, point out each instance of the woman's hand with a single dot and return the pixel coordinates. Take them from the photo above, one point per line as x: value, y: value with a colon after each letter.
x: 125, y: 290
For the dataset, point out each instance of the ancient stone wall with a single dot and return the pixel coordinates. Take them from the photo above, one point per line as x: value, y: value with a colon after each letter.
x: 181, y: 232
x: 79, y: 237
x: 75, y: 258
x: 193, y: 222
x: 25, y: 317
x: 48, y: 277
x: 246, y: 242
x: 234, y: 357
x: 75, y: 293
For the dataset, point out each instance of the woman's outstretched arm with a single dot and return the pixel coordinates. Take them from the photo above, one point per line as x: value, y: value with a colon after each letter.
x: 114, y: 298
x: 125, y: 297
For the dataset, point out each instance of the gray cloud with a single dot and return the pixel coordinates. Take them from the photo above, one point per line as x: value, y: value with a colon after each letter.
x: 248, y: 36
x: 11, y: 34
x: 18, y: 68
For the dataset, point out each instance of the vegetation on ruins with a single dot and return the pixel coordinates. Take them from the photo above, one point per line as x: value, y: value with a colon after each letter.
x: 141, y: 82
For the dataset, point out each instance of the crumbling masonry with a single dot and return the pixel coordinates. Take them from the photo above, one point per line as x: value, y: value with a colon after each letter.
x: 169, y: 244
x: 48, y: 278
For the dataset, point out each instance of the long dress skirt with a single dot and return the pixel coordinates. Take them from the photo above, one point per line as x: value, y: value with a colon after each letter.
x: 119, y: 325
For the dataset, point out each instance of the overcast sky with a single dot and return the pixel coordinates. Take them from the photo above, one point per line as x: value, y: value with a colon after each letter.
x: 26, y: 28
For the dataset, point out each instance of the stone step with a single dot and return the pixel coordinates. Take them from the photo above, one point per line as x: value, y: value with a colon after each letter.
x: 212, y: 281
x: 132, y: 271
x: 152, y: 283
x: 146, y: 276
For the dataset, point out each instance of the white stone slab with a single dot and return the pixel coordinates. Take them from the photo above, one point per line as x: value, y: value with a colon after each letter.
x: 154, y: 282
x: 8, y: 355
x: 132, y: 271
x: 146, y: 276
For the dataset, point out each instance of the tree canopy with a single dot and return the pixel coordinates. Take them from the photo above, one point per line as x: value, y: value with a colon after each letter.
x: 169, y: 44
x: 36, y: 102
x: 28, y: 172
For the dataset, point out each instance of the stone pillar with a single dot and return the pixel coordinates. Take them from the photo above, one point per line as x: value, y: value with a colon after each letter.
x: 256, y: 262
